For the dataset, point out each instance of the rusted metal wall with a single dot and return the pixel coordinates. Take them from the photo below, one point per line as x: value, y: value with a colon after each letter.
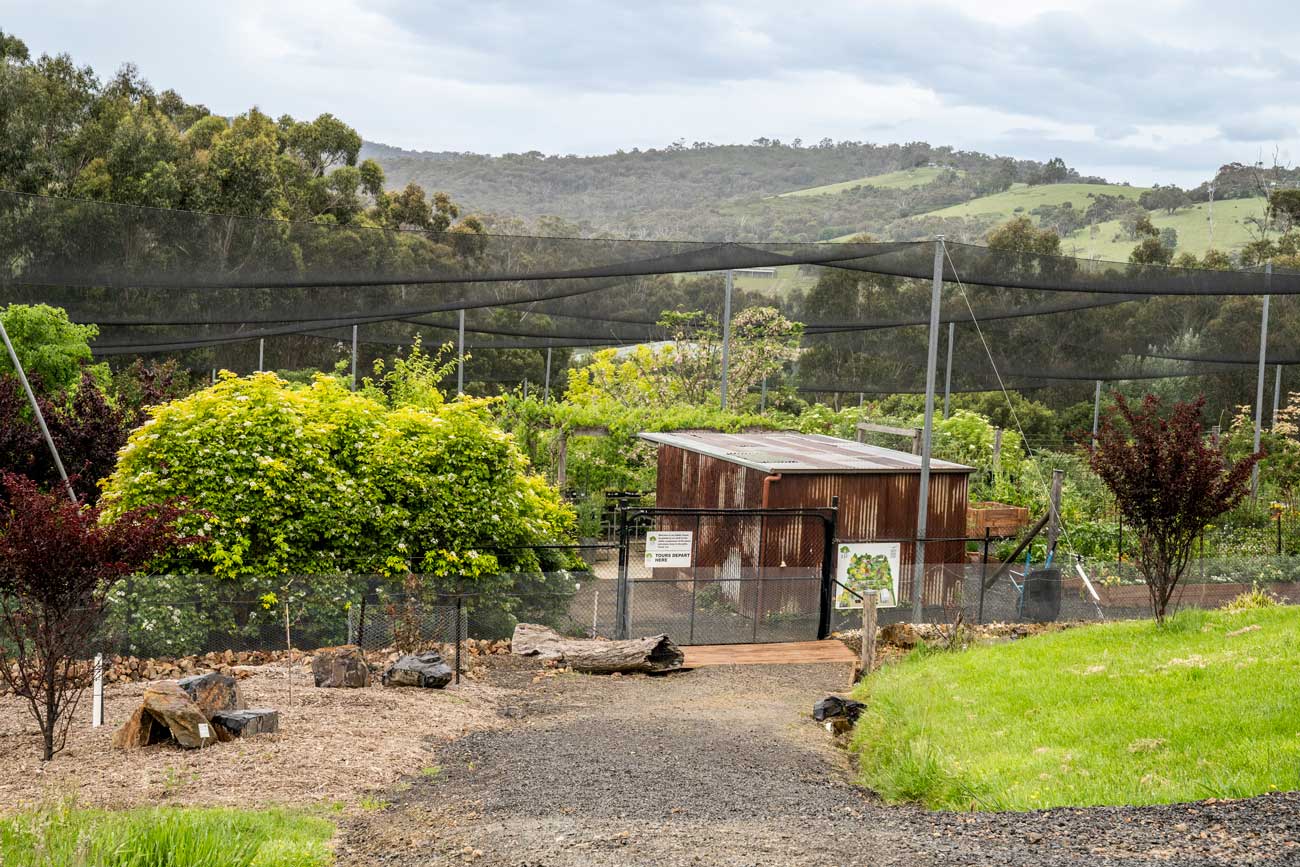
x: 873, y: 507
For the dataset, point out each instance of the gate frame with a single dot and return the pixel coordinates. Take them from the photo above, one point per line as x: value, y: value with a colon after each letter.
x: 628, y: 515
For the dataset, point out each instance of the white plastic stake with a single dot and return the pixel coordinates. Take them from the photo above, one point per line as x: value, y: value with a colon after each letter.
x: 97, y: 694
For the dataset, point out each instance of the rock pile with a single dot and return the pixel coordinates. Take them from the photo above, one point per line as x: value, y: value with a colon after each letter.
x: 193, y: 712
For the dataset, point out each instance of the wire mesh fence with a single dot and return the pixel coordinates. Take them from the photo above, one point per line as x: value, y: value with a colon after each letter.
x: 617, y: 595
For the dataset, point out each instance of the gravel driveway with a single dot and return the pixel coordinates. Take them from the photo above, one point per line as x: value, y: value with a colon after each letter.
x: 723, y: 766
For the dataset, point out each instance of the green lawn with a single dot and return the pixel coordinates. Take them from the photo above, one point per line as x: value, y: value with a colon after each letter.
x: 1023, y: 199
x: 787, y: 279
x: 1120, y: 713
x: 165, y: 837
x: 1192, y: 225
x: 899, y: 180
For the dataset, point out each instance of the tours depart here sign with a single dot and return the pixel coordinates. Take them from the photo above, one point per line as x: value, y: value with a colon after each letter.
x: 668, y: 548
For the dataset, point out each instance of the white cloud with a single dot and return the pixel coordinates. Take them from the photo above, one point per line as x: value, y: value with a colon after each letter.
x: 1160, y: 90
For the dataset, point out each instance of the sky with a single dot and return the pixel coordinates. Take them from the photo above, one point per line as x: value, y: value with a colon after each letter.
x: 1150, y: 91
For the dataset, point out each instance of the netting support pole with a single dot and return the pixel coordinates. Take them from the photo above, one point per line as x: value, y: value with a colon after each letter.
x: 261, y: 353
x: 1096, y: 412
x: 546, y: 389
x: 354, y: 358
x: 1259, y: 384
x: 947, y: 377
x: 36, y: 411
x: 460, y: 351
x: 923, y: 496
x: 762, y: 398
x: 726, y: 337
x: 1277, y: 395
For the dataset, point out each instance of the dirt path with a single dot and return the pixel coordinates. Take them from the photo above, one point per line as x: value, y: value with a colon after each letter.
x: 723, y: 766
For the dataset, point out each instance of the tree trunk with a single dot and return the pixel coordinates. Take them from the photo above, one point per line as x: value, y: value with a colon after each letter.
x: 656, y: 653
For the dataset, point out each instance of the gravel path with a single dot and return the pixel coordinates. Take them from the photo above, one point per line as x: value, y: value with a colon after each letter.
x: 723, y: 766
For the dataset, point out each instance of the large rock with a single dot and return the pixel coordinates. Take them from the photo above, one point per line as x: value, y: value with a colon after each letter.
x: 901, y: 635
x: 419, y: 669
x: 212, y: 692
x: 342, y: 666
x: 246, y: 723
x: 167, y: 707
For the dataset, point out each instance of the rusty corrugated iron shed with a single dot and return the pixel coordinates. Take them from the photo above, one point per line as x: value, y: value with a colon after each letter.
x: 793, y: 452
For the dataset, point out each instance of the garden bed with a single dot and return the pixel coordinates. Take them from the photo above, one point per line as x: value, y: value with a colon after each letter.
x: 333, y: 746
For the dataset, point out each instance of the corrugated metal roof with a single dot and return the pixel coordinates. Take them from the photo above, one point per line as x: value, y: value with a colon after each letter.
x: 791, y: 452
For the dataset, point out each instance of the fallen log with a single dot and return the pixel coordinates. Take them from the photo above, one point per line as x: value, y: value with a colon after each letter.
x: 656, y: 653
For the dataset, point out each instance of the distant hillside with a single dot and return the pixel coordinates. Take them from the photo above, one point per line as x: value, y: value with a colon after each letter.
x: 771, y: 191
x: 714, y: 191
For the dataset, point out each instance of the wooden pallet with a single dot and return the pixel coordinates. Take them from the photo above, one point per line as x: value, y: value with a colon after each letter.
x: 784, y: 653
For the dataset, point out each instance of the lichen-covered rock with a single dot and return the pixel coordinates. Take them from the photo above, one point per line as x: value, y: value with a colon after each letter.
x: 340, y: 667
x: 212, y: 692
x: 419, y: 669
x: 167, y: 707
x: 246, y: 723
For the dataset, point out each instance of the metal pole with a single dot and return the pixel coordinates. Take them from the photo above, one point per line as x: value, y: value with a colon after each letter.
x: 947, y: 378
x: 1259, y: 384
x: 1096, y: 412
x: 546, y: 389
x: 726, y: 338
x: 261, y: 353
x: 762, y: 398
x: 36, y: 410
x: 354, y: 358
x: 1277, y: 395
x: 460, y: 351
x: 923, y: 500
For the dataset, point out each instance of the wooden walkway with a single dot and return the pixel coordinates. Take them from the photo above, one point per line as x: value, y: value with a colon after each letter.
x: 785, y: 653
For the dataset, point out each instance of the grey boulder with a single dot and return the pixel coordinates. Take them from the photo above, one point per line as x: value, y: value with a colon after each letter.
x: 419, y: 669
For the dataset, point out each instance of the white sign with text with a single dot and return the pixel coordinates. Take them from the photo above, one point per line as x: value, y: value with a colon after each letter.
x: 668, y: 548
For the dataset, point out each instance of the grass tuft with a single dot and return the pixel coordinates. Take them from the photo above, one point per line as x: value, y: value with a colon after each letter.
x: 1120, y: 713
x: 164, y: 837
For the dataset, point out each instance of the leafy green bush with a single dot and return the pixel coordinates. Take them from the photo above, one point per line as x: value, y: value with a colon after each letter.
x: 51, y: 347
x: 322, y: 482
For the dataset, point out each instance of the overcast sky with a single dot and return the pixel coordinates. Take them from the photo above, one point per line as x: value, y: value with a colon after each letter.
x: 1146, y: 91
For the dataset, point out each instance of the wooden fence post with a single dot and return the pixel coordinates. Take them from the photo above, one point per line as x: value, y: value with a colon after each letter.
x: 869, y: 601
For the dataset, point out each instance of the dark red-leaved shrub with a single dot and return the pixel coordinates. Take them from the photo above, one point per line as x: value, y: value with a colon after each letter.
x: 58, y: 561
x: 1169, y: 482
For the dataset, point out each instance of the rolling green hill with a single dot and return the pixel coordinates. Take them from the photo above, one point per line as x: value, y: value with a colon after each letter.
x: 1192, y: 224
x: 900, y: 180
x: 1022, y: 199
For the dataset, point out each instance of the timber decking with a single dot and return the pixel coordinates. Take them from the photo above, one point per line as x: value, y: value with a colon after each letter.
x: 784, y: 653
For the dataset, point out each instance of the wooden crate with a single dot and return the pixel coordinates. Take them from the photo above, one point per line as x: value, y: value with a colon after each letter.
x: 999, y: 518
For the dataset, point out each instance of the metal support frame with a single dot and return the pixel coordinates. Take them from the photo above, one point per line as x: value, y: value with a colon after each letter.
x: 460, y: 351
x: 261, y: 354
x: 947, y: 377
x: 1259, y: 384
x: 762, y: 398
x: 354, y: 358
x: 830, y: 523
x: 36, y: 410
x: 726, y: 337
x: 1096, y: 412
x: 1277, y: 394
x: 546, y: 388
x: 927, y: 434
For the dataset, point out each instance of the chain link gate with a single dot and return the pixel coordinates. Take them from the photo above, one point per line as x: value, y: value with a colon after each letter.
x: 751, y: 575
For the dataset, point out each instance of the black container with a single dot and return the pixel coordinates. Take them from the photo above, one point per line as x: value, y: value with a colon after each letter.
x: 1042, y: 602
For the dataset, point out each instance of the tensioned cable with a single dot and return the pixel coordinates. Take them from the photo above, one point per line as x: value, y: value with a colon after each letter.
x: 1047, y: 491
